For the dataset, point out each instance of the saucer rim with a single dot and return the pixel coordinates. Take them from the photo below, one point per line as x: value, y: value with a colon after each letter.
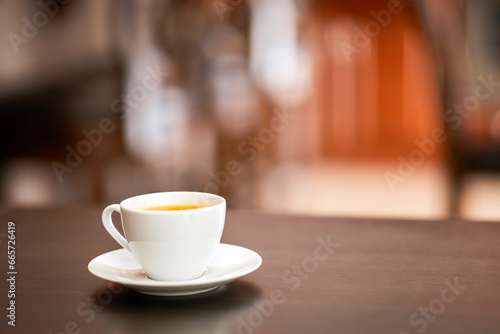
x: 174, y: 288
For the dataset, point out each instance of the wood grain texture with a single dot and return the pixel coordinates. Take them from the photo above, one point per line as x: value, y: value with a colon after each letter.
x: 377, y: 276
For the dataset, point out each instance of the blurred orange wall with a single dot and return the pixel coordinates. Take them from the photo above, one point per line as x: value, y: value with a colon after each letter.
x: 375, y: 86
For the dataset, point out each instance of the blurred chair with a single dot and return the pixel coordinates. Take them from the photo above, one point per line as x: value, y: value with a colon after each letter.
x: 465, y: 36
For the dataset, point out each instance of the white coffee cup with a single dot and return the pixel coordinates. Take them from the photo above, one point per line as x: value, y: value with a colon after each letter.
x: 174, y: 245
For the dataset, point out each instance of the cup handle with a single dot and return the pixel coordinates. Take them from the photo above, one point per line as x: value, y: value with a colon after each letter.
x: 110, y: 227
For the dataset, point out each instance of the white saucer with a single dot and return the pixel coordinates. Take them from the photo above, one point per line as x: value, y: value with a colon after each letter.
x: 228, y: 263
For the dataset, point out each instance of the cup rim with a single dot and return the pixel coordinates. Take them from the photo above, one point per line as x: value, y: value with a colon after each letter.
x: 126, y: 206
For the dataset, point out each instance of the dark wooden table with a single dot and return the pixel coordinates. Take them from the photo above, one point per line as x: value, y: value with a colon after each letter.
x: 319, y: 275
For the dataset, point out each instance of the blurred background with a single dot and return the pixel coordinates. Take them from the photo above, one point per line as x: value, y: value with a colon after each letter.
x: 354, y: 108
